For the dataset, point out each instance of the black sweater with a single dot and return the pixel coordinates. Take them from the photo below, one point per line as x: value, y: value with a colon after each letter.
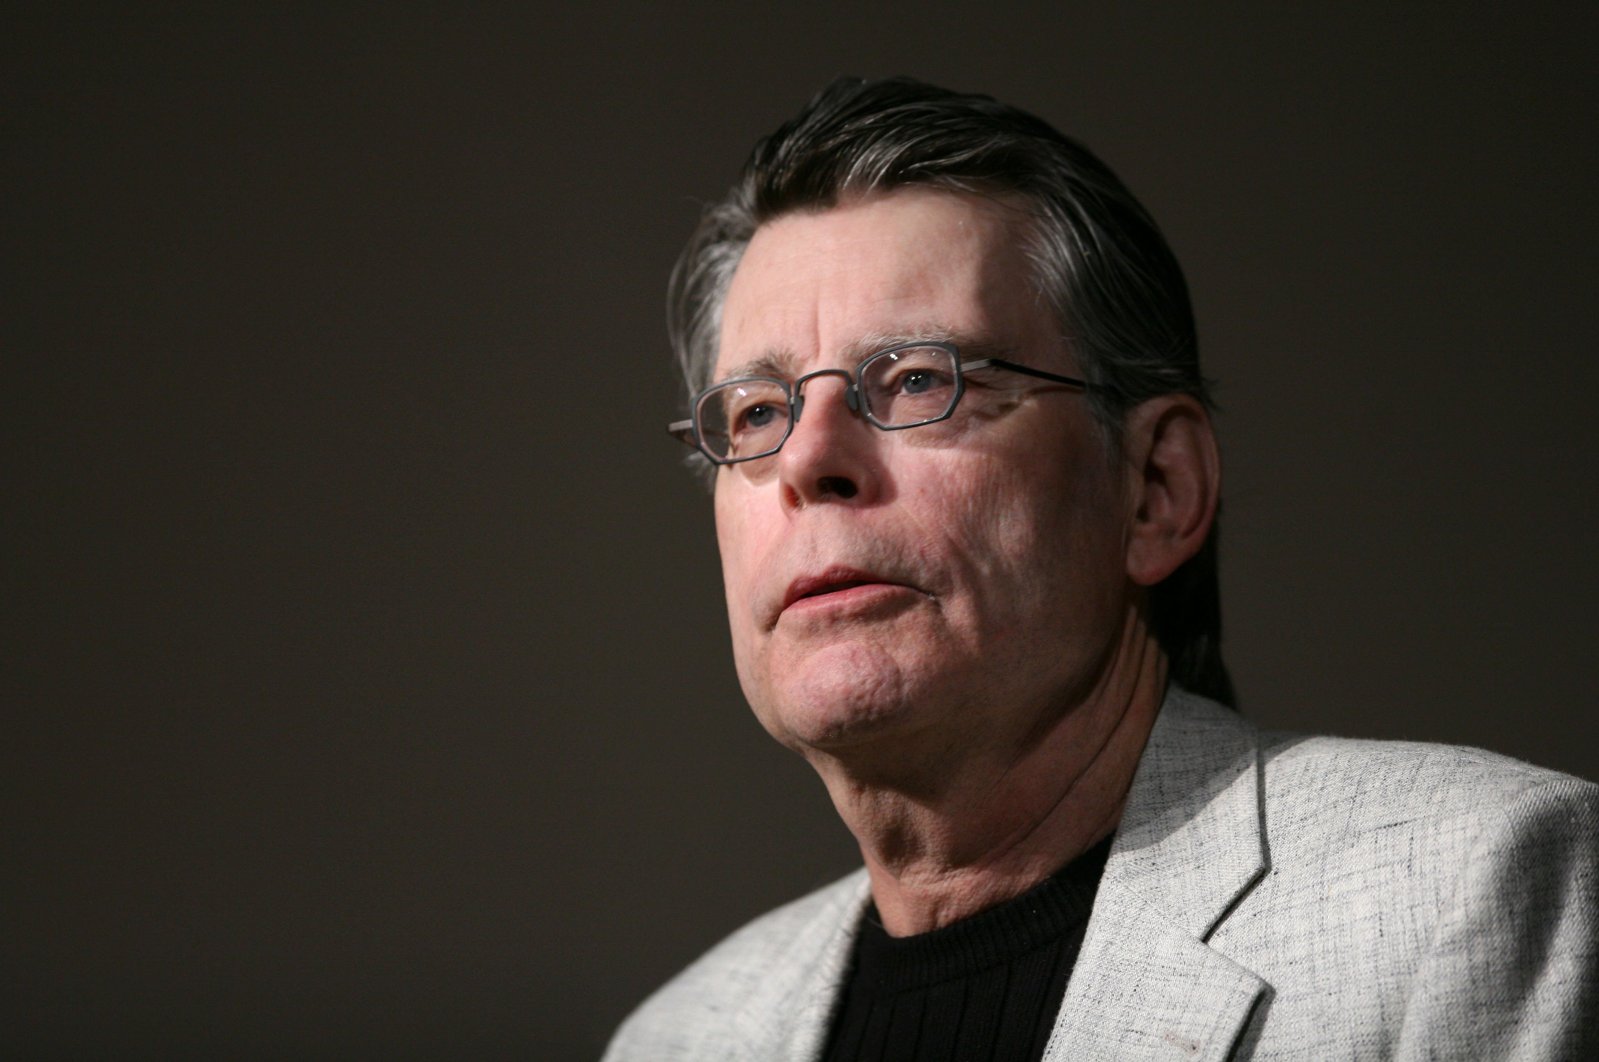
x: 985, y: 989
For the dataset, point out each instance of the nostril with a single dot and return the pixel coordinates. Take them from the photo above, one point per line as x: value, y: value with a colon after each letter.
x: 837, y: 486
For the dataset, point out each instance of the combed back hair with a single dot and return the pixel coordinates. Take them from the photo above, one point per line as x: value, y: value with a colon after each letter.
x: 1098, y: 260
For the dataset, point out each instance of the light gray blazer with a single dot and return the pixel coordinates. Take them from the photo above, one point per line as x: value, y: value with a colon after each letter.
x: 1267, y: 896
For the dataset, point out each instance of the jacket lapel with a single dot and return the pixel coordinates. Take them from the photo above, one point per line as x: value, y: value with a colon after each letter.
x: 1146, y: 985
x: 788, y: 1012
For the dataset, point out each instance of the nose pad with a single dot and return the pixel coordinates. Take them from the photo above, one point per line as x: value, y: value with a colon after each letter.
x: 852, y: 393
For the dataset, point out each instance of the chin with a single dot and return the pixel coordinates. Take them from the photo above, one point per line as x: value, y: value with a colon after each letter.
x: 839, y: 698
x: 837, y: 727
x: 846, y: 693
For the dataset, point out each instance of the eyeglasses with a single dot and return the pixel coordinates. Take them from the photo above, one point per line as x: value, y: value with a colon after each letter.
x: 907, y: 386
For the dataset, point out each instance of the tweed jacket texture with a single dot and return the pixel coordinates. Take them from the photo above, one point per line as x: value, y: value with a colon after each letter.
x: 1267, y: 896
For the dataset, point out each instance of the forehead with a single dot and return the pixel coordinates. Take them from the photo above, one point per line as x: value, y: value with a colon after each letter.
x: 819, y: 287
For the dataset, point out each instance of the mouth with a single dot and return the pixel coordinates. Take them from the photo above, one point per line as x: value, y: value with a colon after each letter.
x: 835, y: 584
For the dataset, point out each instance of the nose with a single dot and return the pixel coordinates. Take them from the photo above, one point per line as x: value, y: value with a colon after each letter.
x: 831, y: 454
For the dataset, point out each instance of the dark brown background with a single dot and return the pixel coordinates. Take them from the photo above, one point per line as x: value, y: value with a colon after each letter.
x: 366, y: 689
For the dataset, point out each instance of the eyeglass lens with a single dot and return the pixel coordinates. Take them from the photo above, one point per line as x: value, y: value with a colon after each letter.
x: 910, y: 386
x: 900, y: 388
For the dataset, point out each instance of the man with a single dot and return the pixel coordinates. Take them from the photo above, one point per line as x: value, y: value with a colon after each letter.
x: 965, y: 488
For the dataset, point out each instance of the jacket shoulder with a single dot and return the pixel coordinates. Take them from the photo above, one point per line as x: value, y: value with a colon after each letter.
x: 691, y: 1014
x: 1374, y: 784
x: 1439, y: 898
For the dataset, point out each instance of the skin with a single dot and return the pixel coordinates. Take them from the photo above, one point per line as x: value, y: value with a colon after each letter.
x: 977, y: 703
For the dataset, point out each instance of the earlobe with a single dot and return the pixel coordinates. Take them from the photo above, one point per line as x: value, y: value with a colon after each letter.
x: 1174, y: 473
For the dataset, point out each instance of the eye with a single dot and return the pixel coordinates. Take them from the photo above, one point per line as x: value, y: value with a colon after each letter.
x: 911, y: 381
x: 754, y: 409
x: 755, y: 417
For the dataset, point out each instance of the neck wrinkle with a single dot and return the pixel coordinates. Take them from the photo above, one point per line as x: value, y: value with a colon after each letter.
x: 935, y: 861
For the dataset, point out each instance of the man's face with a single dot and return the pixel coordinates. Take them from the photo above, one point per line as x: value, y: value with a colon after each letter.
x: 961, y: 582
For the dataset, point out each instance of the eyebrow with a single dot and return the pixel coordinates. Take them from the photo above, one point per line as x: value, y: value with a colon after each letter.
x: 781, y: 362
x: 778, y: 363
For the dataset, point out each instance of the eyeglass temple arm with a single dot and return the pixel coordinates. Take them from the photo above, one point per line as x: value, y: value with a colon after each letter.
x: 683, y: 432
x: 1011, y: 366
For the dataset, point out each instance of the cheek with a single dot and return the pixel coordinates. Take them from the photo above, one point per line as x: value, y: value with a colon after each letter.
x: 731, y: 543
x: 739, y: 542
x: 1026, y: 537
x: 986, y: 516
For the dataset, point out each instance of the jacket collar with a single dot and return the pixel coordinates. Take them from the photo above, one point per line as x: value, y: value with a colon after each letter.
x: 1190, y: 845
x: 1190, y: 839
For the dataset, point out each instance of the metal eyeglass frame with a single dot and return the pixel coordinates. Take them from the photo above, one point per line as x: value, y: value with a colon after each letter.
x: 688, y: 432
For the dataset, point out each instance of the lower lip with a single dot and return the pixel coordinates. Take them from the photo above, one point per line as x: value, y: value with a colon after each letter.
x: 855, y: 598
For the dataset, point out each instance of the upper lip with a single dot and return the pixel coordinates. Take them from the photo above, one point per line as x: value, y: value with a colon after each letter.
x: 828, y: 580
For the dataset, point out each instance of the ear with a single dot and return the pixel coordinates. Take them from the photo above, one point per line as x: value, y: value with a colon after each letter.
x: 1174, y: 484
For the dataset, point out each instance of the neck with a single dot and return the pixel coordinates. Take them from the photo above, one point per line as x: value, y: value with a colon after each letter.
x: 990, y: 826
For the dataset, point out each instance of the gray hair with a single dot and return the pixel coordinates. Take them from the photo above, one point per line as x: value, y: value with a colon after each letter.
x: 1098, y: 259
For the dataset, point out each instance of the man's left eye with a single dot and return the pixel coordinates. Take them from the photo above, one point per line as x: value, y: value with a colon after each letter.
x: 921, y: 382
